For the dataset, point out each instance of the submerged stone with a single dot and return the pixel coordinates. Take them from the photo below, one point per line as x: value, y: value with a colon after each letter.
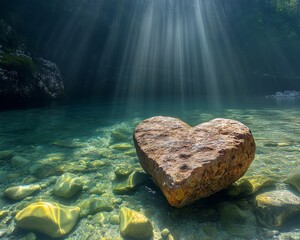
x: 18, y: 161
x: 67, y: 144
x: 237, y: 222
x: 293, y: 178
x: 3, y: 214
x: 248, y: 185
x: 67, y: 185
x: 134, y: 180
x: 20, y: 192
x: 94, y: 205
x: 29, y: 236
x: 6, y: 155
x: 52, y: 219
x: 121, y: 146
x: 188, y: 163
x: 134, y: 225
x: 123, y: 172
x: 274, y: 207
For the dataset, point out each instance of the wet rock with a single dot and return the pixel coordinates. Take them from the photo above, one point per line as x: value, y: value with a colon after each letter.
x: 275, y: 206
x: 189, y: 163
x: 3, y: 214
x: 123, y: 172
x: 121, y: 146
x: 94, y: 205
x: 67, y: 185
x: 29, y: 236
x: 99, y: 218
x: 3, y: 230
x: 45, y: 170
x: 114, y: 219
x: 20, y: 192
x: 237, y: 222
x: 164, y: 233
x: 18, y: 161
x: 98, y: 163
x: 134, y: 180
x: 52, y: 219
x: 293, y: 178
x: 134, y: 225
x: 27, y: 79
x: 6, y: 155
x: 248, y: 185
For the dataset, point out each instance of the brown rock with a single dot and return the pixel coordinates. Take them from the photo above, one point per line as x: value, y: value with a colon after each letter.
x: 189, y: 163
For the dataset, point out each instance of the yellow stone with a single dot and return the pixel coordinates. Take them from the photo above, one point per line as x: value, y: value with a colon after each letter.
x: 121, y: 146
x: 20, y: 192
x: 134, y: 225
x: 52, y: 219
x: 3, y: 214
x: 248, y: 185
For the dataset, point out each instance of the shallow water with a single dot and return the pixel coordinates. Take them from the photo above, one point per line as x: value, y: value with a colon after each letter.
x: 70, y: 138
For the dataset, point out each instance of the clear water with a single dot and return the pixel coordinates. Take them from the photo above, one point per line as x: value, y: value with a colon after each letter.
x: 70, y: 138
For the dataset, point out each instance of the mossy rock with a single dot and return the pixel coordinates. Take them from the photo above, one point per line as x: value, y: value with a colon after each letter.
x: 23, y: 64
x: 246, y: 186
x: 52, y: 219
x: 135, y: 225
x: 134, y: 180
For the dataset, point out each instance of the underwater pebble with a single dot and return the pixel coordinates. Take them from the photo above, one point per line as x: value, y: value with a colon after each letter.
x: 3, y: 214
x: 18, y: 161
x: 114, y: 219
x: 237, y: 222
x: 165, y: 232
x: 274, y: 207
x: 67, y: 185
x: 6, y: 155
x: 29, y: 236
x: 293, y: 178
x: 54, y: 220
x: 20, y: 192
x: 94, y: 205
x: 134, y: 225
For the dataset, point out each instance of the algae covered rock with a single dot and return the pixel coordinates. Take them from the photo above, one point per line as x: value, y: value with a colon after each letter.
x: 188, y: 163
x: 294, y: 178
x: 134, y: 180
x: 236, y: 221
x: 134, y: 225
x: 28, y: 79
x: 248, y: 185
x: 20, y: 192
x: 275, y: 206
x: 67, y: 185
x: 52, y: 219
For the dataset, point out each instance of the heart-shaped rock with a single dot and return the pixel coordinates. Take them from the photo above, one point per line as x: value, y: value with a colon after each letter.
x: 188, y: 163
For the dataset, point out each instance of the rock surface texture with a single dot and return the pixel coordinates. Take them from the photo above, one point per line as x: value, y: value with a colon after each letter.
x: 189, y: 163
